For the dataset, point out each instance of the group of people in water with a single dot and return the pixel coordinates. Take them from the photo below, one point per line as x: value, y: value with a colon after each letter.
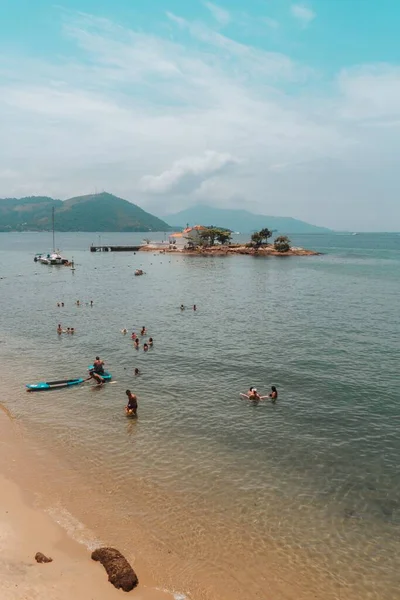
x: 78, y: 303
x: 252, y: 394
x: 135, y: 338
x: 60, y: 330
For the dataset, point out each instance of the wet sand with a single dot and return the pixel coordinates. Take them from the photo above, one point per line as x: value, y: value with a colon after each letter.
x: 25, y: 529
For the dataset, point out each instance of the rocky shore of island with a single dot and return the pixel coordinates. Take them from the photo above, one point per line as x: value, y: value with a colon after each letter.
x: 227, y: 250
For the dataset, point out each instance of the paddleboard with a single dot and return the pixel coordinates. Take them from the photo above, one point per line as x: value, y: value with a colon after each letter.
x: 53, y: 385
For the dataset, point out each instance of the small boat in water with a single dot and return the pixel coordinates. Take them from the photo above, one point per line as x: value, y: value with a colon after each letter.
x: 51, y: 258
x: 53, y: 385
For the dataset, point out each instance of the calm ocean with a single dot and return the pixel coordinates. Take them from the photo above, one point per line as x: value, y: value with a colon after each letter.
x: 251, y: 501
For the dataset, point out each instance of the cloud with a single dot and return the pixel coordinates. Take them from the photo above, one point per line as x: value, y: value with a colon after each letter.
x: 272, y: 23
x: 221, y: 15
x: 186, y: 114
x: 303, y: 14
x: 188, y: 174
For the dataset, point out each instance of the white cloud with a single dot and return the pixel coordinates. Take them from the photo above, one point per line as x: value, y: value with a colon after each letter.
x: 168, y: 123
x: 188, y: 174
x: 221, y: 15
x: 272, y: 23
x: 304, y: 14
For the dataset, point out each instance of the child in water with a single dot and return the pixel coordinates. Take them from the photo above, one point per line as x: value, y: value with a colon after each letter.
x: 143, y: 331
x: 59, y: 329
x: 151, y: 342
x: 137, y: 343
x: 145, y: 347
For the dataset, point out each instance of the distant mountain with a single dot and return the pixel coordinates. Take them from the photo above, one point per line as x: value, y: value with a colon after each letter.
x: 240, y: 220
x: 95, y: 212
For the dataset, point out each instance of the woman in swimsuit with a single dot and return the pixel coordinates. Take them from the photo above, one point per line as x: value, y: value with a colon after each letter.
x: 274, y: 394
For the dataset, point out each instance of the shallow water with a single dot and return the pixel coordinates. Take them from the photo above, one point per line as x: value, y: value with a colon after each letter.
x: 301, y: 496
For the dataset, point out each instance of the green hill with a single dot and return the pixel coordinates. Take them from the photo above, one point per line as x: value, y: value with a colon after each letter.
x: 95, y: 212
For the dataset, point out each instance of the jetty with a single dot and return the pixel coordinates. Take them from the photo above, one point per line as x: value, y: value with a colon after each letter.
x: 109, y: 248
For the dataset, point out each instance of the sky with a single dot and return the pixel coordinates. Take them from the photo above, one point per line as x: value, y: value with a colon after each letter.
x: 281, y: 107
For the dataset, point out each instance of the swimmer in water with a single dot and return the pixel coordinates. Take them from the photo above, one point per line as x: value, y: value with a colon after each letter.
x: 194, y: 307
x: 143, y: 330
x: 137, y: 343
x: 133, y: 336
x: 68, y: 330
x: 145, y: 347
x: 253, y: 394
x: 78, y: 303
x: 59, y: 329
x: 274, y: 394
x: 131, y: 407
x: 72, y: 330
x: 58, y: 304
x: 91, y: 303
x: 137, y: 372
x: 151, y: 342
x: 62, y: 304
x: 182, y: 307
x: 124, y: 331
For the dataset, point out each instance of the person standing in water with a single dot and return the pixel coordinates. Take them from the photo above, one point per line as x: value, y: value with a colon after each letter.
x: 182, y: 307
x: 274, y: 394
x: 137, y: 372
x: 145, y: 347
x: 253, y: 394
x: 151, y: 342
x: 137, y: 343
x: 143, y: 330
x: 59, y: 329
x: 194, y: 307
x: 131, y: 407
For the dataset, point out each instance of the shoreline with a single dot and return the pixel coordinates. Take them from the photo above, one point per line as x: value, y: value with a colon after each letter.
x: 27, y: 526
x: 241, y: 249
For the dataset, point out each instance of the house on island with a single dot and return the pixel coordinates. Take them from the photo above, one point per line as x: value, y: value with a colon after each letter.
x: 188, y: 238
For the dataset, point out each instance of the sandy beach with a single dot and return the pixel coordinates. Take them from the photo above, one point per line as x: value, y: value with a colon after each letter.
x: 25, y: 529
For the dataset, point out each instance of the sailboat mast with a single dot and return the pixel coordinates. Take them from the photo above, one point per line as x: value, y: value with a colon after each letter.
x: 54, y: 244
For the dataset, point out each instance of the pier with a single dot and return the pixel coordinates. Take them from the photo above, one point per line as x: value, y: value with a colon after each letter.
x: 109, y: 248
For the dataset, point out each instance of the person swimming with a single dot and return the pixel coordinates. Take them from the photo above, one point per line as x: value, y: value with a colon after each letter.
x: 137, y: 372
x: 72, y: 330
x: 145, y: 347
x: 68, y: 330
x: 131, y: 407
x: 124, y: 331
x: 274, y: 394
x: 58, y: 305
x: 133, y: 336
x: 143, y: 330
x: 194, y: 307
x: 59, y: 329
x: 62, y: 304
x: 151, y: 342
x: 78, y: 303
x: 182, y: 307
x: 253, y: 394
x: 91, y: 303
x: 137, y: 343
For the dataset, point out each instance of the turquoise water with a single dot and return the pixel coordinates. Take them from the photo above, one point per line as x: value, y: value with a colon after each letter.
x: 310, y: 485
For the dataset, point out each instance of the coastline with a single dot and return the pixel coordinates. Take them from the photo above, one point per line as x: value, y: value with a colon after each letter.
x: 26, y: 528
x: 233, y: 249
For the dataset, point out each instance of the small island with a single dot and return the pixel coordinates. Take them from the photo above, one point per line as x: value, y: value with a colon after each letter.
x: 216, y: 241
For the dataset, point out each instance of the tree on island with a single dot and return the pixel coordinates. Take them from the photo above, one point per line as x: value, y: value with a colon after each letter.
x: 282, y: 244
x: 260, y: 238
x: 210, y: 235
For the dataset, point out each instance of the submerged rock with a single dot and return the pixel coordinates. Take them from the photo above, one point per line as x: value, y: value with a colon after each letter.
x: 119, y: 571
x: 41, y: 558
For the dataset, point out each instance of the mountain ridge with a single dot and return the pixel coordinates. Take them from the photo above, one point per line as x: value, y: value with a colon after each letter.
x: 240, y: 220
x: 92, y: 212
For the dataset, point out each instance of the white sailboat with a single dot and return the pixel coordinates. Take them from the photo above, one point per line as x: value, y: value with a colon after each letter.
x: 51, y: 258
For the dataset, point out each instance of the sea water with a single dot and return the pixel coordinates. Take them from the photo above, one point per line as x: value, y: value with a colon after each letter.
x: 242, y: 500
